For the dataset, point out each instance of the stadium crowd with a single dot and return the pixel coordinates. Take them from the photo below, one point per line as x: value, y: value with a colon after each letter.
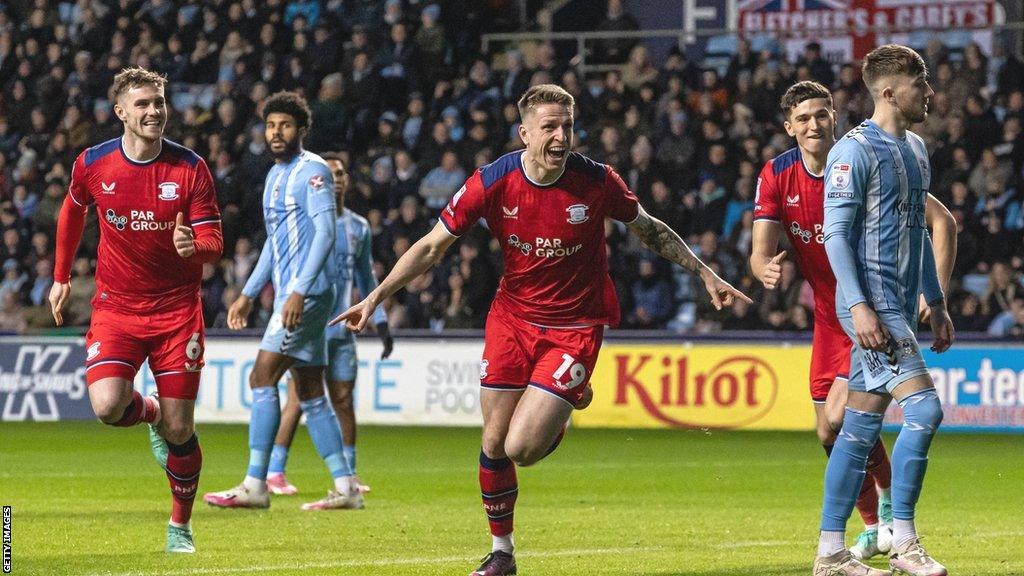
x: 402, y: 89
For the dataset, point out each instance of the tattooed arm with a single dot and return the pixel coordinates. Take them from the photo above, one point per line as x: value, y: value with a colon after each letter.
x: 663, y: 240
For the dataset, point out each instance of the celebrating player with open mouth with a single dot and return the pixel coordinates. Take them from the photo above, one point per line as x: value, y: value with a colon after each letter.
x: 790, y: 198
x: 159, y: 224
x: 546, y: 205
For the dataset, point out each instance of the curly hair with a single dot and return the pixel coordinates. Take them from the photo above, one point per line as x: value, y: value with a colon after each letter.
x: 289, y: 103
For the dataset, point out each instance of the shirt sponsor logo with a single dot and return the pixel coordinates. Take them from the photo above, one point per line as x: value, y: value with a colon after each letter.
x: 806, y: 235
x: 510, y: 212
x: 577, y: 213
x: 514, y: 241
x: 168, y: 191
x: 108, y: 188
x: 841, y: 176
x: 841, y: 195
x: 137, y: 220
x: 116, y: 221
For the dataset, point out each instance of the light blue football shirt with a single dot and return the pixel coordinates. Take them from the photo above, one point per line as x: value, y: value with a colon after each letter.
x: 876, y: 188
x: 353, y: 265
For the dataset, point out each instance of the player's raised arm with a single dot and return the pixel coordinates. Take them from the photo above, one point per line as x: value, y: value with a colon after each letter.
x: 70, y: 225
x: 663, y: 240
x: 426, y: 252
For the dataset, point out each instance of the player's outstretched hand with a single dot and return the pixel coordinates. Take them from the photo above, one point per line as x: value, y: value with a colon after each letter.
x: 355, y: 318
x: 59, y: 294
x: 291, y: 312
x: 871, y: 334
x: 773, y: 271
x: 722, y: 293
x: 184, y: 239
x: 238, y: 314
x: 942, y: 329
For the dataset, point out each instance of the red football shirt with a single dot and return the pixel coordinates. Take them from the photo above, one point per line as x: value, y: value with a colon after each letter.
x: 137, y: 267
x: 790, y: 195
x: 552, y: 237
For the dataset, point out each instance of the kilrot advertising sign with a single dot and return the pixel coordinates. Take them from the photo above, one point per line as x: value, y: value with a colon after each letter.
x: 700, y: 386
x: 849, y: 29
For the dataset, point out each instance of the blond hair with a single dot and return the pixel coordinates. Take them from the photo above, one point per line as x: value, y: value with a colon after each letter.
x: 129, y: 78
x: 891, y: 60
x: 544, y: 94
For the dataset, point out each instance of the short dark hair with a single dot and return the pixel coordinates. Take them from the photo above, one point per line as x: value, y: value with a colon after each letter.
x: 290, y: 103
x: 890, y: 60
x: 336, y: 156
x: 801, y: 91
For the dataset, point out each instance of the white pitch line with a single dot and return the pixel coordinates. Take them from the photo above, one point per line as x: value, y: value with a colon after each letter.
x: 367, y: 563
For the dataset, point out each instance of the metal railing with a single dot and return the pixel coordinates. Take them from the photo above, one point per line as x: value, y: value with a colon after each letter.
x: 685, y: 37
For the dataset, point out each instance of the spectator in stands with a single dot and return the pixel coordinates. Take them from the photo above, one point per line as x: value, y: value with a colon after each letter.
x: 616, y: 51
x: 1010, y: 323
x: 652, y: 298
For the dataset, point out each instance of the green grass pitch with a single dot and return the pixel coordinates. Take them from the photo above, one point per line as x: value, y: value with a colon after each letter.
x: 89, y: 499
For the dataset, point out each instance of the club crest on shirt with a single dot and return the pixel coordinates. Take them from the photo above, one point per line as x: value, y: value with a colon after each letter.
x: 316, y: 182
x: 93, y: 351
x: 577, y: 213
x: 841, y: 175
x: 168, y: 191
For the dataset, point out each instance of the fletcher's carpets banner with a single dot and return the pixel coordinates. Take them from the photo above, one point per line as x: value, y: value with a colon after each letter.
x: 700, y: 386
x: 849, y: 29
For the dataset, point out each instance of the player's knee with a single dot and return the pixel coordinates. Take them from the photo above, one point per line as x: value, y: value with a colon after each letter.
x: 177, y: 432
x: 109, y: 409
x: 493, y: 445
x: 827, y: 434
x: 524, y: 454
x: 923, y: 409
x: 341, y: 398
x: 108, y: 412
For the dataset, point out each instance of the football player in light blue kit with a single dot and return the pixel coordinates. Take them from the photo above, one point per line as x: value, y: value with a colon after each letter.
x: 299, y: 213
x: 876, y: 183
x: 354, y: 265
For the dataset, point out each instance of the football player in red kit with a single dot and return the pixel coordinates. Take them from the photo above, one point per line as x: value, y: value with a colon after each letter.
x: 546, y: 205
x: 159, y: 224
x: 790, y: 200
